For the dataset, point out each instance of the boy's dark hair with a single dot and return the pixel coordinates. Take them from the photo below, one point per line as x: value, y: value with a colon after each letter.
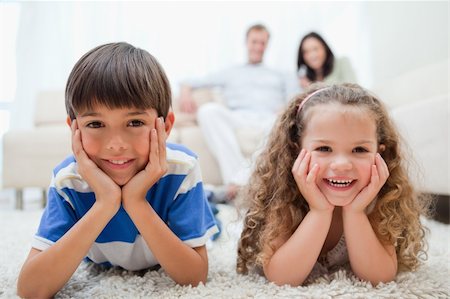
x: 117, y: 75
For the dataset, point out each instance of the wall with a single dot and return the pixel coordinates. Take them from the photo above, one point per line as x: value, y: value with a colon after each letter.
x: 405, y: 36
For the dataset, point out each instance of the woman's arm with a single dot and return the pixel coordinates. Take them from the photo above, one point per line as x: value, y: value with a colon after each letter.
x: 45, y: 272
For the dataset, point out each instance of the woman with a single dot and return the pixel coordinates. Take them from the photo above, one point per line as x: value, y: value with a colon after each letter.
x: 316, y: 62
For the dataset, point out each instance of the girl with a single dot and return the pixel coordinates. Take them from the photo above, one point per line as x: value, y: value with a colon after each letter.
x: 316, y: 62
x: 330, y: 188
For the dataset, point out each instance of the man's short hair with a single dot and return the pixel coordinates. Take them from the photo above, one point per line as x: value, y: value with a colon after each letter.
x: 117, y: 75
x: 257, y: 27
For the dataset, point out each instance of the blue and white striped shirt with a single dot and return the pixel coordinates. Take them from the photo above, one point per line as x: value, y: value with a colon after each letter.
x: 177, y: 198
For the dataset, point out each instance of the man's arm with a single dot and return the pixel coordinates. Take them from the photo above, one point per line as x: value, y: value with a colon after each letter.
x: 186, y: 101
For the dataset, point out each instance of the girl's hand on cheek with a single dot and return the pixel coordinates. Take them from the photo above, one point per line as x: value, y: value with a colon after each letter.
x: 137, y: 187
x: 105, y: 189
x: 306, y: 182
x: 379, y: 176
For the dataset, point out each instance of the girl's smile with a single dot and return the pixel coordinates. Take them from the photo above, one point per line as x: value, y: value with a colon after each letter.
x: 343, y: 143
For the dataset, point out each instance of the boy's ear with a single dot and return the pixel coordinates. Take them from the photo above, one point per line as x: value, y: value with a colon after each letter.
x: 381, y: 148
x: 68, y: 121
x: 170, y: 120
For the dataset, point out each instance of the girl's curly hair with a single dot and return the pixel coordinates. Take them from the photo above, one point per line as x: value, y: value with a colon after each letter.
x: 276, y: 206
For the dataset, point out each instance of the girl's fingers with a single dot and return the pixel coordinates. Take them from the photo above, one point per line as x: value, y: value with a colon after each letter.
x: 297, y: 161
x: 304, y: 164
x: 311, y: 177
x: 382, y: 167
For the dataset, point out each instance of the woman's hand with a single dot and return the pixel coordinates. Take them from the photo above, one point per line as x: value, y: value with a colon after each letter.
x: 306, y: 182
x: 304, y: 82
x: 379, y: 175
x: 137, y: 188
x: 105, y: 189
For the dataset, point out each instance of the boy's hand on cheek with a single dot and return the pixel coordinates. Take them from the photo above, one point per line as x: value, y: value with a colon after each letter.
x: 379, y: 175
x: 306, y: 182
x: 105, y: 189
x: 137, y: 187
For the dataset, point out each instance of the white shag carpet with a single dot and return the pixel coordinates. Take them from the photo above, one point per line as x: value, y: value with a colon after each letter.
x: 432, y: 280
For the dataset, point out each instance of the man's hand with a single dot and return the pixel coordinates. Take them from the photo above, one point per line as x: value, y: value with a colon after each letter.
x: 105, y: 189
x: 136, y: 189
x: 306, y: 182
x: 187, y: 103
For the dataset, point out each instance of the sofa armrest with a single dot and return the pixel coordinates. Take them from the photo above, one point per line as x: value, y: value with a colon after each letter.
x: 425, y: 128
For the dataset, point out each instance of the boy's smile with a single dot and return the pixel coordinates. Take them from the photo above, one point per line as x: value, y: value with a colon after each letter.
x: 342, y: 140
x: 117, y: 140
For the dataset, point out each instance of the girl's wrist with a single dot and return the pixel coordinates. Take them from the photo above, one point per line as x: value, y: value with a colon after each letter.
x: 350, y: 211
x: 322, y: 212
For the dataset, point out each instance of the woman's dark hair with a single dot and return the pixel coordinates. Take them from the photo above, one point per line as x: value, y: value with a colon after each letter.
x: 327, y: 67
x: 117, y: 75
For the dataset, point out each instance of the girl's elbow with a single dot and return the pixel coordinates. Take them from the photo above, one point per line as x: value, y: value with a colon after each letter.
x: 280, y: 278
x: 381, y: 278
x: 282, y: 281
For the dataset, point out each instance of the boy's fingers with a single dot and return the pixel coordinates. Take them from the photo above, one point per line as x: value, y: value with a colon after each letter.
x: 161, y: 141
x: 153, y: 155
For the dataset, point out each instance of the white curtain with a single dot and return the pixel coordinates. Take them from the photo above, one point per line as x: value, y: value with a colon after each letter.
x: 190, y: 39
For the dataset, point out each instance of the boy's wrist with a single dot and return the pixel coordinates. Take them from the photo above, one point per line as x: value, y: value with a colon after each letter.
x: 106, y: 206
x: 131, y: 205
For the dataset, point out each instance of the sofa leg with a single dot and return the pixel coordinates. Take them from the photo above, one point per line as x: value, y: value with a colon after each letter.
x: 44, y: 198
x: 19, y: 199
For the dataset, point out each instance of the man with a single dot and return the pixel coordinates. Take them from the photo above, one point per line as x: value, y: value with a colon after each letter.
x: 252, y: 94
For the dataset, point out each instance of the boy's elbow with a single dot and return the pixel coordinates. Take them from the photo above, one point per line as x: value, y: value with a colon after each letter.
x: 194, y: 279
x: 25, y: 292
x: 30, y: 289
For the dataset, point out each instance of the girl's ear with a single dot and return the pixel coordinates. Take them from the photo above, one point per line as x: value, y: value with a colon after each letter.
x: 381, y: 148
x: 68, y: 121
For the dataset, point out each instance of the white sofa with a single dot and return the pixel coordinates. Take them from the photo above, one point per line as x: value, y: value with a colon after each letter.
x: 419, y: 105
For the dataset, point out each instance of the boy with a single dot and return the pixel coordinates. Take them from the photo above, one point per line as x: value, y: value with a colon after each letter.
x: 125, y: 198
